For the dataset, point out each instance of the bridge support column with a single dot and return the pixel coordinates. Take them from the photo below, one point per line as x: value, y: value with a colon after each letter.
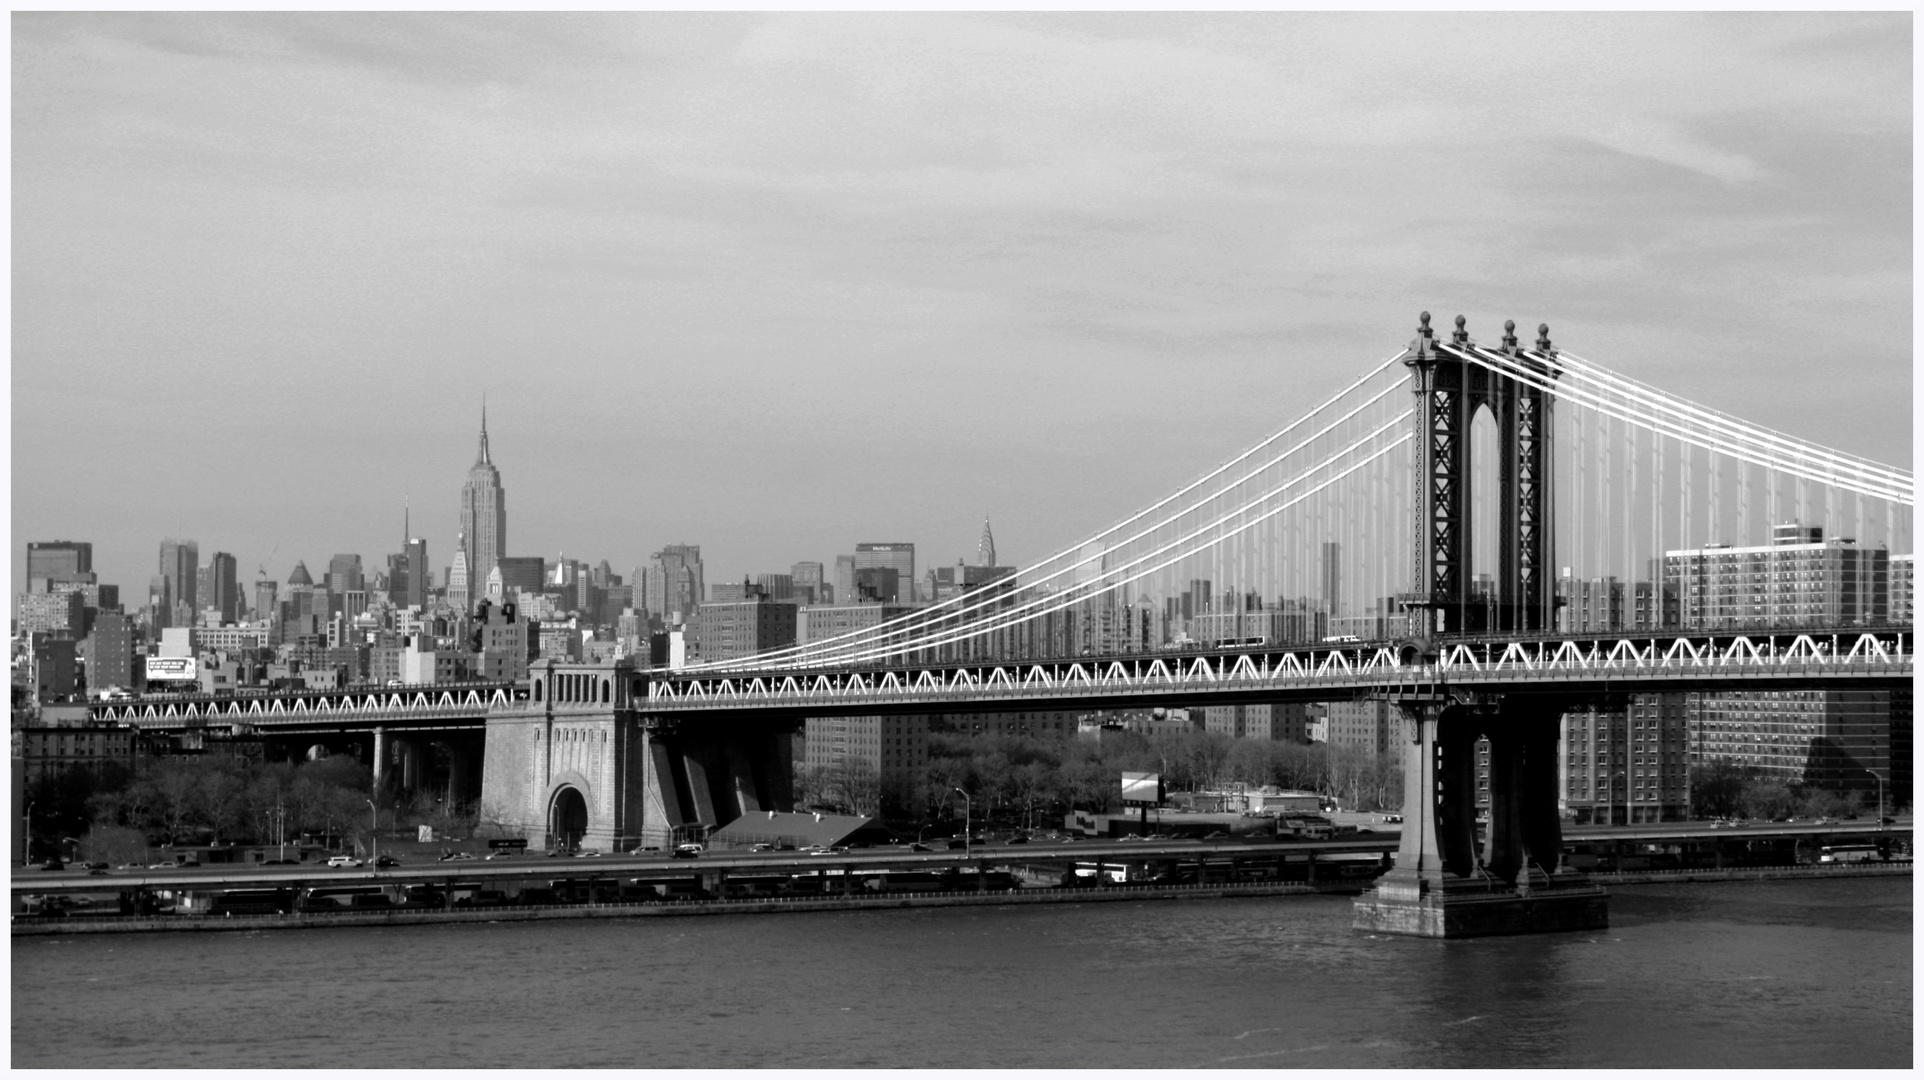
x: 1438, y: 887
x: 414, y: 766
x: 380, y: 759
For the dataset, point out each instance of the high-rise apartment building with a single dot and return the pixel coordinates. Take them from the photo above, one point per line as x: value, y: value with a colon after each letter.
x: 1795, y: 582
x: 1822, y: 738
x: 1278, y: 722
x: 1365, y: 725
x: 109, y: 653
x: 741, y: 628
x: 1903, y: 568
x: 899, y: 557
x: 863, y: 760
x: 484, y: 513
x: 1626, y: 766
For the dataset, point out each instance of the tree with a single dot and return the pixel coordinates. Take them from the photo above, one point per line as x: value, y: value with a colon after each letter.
x: 1717, y: 787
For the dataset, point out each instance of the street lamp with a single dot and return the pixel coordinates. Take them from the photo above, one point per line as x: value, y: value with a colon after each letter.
x: 373, y: 831
x: 1880, y: 796
x: 967, y: 837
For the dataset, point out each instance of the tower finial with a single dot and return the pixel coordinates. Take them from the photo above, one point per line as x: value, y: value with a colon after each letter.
x: 484, y: 459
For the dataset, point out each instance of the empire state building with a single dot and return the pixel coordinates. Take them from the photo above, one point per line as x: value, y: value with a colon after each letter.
x: 484, y: 513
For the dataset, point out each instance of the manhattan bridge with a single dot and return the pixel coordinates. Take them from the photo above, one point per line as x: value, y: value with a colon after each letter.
x: 1485, y: 535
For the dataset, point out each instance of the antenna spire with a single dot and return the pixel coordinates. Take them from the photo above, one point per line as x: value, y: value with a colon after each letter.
x: 484, y: 459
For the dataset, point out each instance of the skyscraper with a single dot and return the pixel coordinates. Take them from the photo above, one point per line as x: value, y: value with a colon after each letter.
x: 179, y: 566
x: 461, y: 584
x: 674, y: 587
x: 985, y: 548
x: 224, y: 586
x: 484, y: 512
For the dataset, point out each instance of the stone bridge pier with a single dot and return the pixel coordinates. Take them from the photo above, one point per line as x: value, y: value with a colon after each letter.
x: 1448, y: 884
x: 581, y: 764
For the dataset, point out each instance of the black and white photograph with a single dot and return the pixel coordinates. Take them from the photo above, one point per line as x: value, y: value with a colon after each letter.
x: 1075, y: 540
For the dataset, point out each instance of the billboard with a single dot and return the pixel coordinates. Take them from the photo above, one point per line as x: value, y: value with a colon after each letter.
x: 172, y: 668
x: 1142, y: 787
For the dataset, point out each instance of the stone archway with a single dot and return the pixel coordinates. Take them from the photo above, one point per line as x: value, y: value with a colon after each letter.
x: 567, y: 818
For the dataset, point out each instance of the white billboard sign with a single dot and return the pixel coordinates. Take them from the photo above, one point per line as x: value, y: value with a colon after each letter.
x: 1142, y: 787
x: 172, y: 668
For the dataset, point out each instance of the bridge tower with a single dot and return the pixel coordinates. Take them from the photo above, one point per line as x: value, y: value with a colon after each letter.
x: 1449, y: 391
x: 1446, y: 884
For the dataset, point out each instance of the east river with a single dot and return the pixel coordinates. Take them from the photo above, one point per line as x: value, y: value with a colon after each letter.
x: 1804, y: 974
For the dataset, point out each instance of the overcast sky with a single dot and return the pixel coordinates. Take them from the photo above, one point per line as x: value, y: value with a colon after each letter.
x: 775, y: 284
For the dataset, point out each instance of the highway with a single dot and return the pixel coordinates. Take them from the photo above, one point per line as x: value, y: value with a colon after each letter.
x: 660, y: 867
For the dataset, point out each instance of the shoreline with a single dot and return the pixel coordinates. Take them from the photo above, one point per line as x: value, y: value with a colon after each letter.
x: 32, y: 926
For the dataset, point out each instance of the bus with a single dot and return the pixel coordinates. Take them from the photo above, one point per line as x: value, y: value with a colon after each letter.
x: 1847, y: 853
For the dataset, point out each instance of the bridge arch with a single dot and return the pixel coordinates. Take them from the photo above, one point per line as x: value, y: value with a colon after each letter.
x: 567, y: 816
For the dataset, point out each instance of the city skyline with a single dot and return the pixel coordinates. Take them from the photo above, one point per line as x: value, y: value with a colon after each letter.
x: 1743, y: 239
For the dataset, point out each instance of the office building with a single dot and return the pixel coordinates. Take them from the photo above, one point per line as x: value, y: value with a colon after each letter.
x: 843, y: 587
x: 809, y: 585
x: 673, y: 585
x: 484, y: 514
x: 223, y: 588
x: 58, y: 560
x: 60, y: 613
x: 985, y: 547
x: 819, y: 622
x: 899, y: 557
x: 524, y: 573
x: 461, y: 588
x: 344, y: 574
x: 179, y: 566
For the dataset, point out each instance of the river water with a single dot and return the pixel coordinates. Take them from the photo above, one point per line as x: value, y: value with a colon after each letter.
x: 1759, y: 974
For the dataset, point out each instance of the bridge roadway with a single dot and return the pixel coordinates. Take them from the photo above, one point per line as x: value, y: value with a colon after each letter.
x: 1607, y: 664
x: 657, y: 867
x: 654, y: 867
